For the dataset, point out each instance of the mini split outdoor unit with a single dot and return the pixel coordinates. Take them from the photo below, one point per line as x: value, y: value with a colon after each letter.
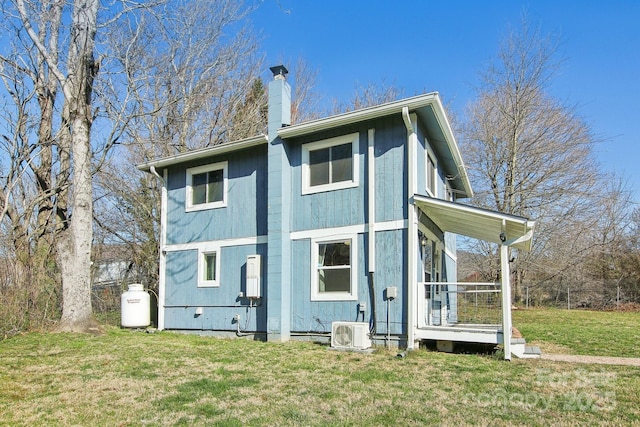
x: 350, y: 335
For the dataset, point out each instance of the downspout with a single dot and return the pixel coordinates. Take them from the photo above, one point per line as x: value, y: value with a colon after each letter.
x: 505, y: 278
x: 412, y: 229
x: 163, y: 241
x: 371, y: 219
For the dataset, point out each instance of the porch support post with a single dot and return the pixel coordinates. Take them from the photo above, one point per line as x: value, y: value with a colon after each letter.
x: 506, y: 300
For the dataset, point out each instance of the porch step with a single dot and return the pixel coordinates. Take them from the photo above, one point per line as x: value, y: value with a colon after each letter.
x: 532, y: 351
x: 521, y: 350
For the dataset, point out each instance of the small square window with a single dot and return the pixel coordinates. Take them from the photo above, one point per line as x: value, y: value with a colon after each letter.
x: 206, y: 187
x: 330, y: 164
x: 208, y: 268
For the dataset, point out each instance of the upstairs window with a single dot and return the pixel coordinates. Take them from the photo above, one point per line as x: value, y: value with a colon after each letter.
x: 432, y: 174
x: 207, y: 187
x: 330, y: 164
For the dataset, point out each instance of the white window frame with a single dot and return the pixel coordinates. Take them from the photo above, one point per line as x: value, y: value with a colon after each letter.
x: 434, y: 174
x: 190, y: 207
x: 316, y: 295
x: 354, y: 139
x: 202, y: 253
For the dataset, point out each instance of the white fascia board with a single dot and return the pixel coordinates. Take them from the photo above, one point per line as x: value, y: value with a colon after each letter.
x: 453, y: 146
x: 204, y: 152
x: 358, y: 115
x: 478, y: 223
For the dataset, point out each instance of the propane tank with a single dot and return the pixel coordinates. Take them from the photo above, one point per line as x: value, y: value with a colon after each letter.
x: 135, y: 304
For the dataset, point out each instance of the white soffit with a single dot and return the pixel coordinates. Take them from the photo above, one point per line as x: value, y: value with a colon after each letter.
x: 477, y: 223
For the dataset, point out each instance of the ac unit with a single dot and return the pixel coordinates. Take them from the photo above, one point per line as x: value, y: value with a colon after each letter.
x: 350, y: 335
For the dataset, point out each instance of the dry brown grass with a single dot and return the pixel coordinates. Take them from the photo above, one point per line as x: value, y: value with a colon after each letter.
x: 131, y: 378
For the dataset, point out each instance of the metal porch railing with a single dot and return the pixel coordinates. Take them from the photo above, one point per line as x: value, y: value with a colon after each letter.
x: 459, y: 303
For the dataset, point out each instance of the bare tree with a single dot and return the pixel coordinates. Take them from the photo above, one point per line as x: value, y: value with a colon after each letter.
x: 531, y: 154
x: 305, y: 104
x: 369, y: 95
x: 176, y: 78
x: 36, y: 166
x: 609, y: 277
x: 76, y: 83
x: 193, y: 70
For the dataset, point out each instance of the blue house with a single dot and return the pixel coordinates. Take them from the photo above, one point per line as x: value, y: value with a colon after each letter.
x: 343, y: 227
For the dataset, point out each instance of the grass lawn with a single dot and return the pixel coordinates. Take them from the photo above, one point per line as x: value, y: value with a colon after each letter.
x: 128, y: 378
x: 595, y: 333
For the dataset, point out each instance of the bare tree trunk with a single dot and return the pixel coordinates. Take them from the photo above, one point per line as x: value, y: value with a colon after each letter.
x: 74, y: 248
x: 74, y: 245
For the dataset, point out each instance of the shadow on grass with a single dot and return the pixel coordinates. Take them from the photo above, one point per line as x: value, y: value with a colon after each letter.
x: 480, y: 349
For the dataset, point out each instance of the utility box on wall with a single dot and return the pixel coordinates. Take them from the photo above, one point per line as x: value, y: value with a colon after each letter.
x: 254, y: 271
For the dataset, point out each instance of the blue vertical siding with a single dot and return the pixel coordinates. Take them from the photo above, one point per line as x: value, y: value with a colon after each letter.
x: 278, y: 229
x: 391, y: 172
x: 316, y: 316
x: 391, y: 270
x: 220, y: 304
x: 348, y: 206
x: 450, y: 275
x: 422, y: 167
x: 327, y: 209
x: 245, y: 214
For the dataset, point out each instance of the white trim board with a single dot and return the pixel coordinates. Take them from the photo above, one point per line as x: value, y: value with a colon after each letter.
x: 296, y: 235
x: 349, y: 229
x: 242, y: 241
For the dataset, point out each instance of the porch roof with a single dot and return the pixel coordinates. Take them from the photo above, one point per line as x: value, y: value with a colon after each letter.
x: 477, y: 223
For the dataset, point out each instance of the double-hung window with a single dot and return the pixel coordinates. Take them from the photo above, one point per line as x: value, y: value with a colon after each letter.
x: 330, y: 164
x: 333, y: 273
x: 207, y: 187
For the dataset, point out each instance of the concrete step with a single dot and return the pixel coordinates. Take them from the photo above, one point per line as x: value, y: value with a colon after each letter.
x: 521, y: 350
x: 532, y: 350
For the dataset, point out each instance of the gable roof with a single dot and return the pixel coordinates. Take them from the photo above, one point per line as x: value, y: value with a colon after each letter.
x: 428, y: 108
x: 204, y: 153
x: 430, y: 111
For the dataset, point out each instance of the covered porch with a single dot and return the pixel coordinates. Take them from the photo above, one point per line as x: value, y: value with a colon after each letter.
x: 449, y: 312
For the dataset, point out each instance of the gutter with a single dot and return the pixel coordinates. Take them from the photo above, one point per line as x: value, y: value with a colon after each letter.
x: 360, y: 115
x: 204, y: 153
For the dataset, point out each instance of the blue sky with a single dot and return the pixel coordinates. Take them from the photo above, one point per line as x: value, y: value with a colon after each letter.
x: 424, y: 46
